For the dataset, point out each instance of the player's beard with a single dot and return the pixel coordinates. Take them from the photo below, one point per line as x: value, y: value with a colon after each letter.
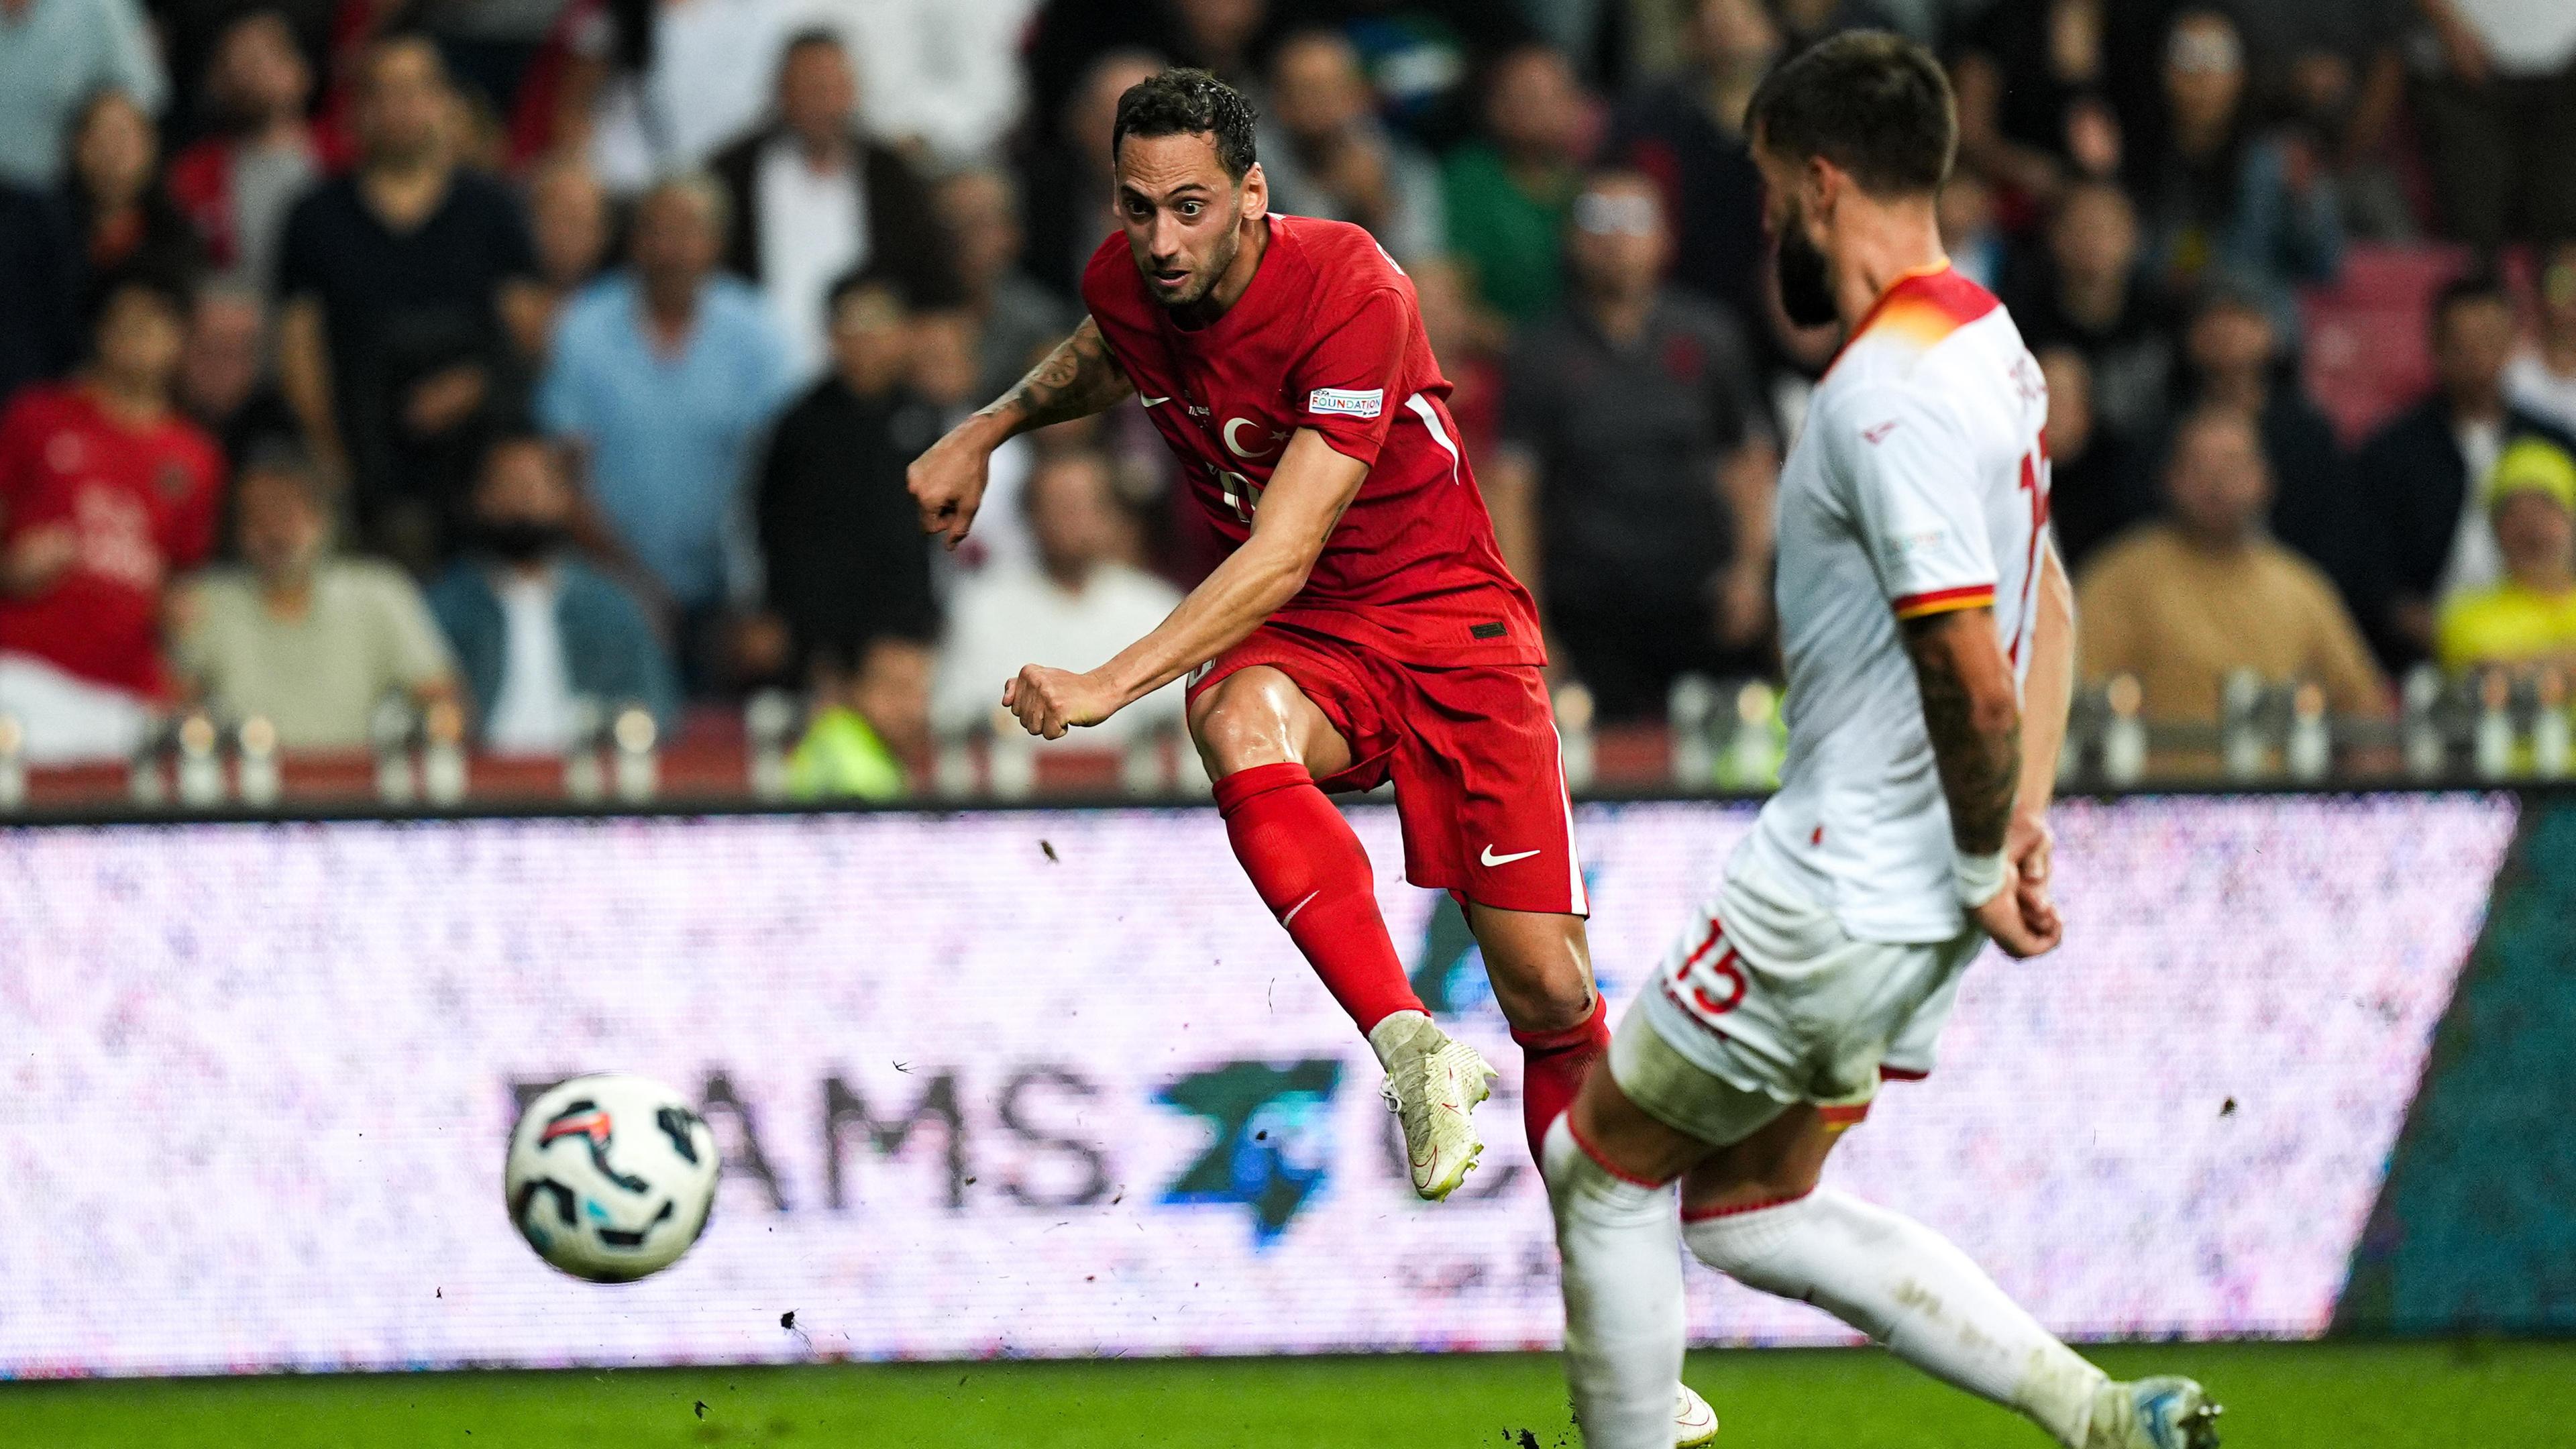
x: 1806, y: 292
x: 1220, y: 261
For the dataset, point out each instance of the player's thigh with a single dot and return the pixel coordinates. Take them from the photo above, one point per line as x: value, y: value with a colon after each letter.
x: 1783, y: 1159
x: 1259, y: 715
x: 1540, y: 964
x: 1624, y: 1137
x: 1480, y: 786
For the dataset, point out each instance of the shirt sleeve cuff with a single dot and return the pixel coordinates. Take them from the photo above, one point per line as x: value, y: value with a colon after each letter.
x: 1943, y: 601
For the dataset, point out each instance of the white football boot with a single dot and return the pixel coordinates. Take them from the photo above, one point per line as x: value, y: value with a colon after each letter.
x: 1432, y: 1084
x: 1694, y: 1422
x: 2157, y: 1413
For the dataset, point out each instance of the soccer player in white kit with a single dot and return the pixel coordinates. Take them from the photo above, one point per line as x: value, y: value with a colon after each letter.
x: 1927, y: 630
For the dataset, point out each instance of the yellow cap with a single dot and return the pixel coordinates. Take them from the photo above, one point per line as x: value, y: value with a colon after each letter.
x: 2534, y: 466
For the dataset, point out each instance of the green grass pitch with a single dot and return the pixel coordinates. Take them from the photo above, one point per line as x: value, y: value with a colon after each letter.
x: 2477, y: 1395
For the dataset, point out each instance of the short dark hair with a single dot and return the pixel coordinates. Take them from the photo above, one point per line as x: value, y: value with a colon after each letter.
x: 169, y: 286
x: 1875, y: 104
x: 1189, y: 103
x: 874, y: 276
x: 2481, y: 285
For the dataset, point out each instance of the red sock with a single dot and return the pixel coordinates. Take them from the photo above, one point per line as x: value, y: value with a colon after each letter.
x: 1552, y: 1068
x: 1314, y: 876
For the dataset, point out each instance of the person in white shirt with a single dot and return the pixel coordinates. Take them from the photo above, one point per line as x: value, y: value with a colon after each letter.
x: 813, y: 201
x: 2542, y: 380
x: 1074, y: 606
x: 1926, y: 632
x: 940, y: 74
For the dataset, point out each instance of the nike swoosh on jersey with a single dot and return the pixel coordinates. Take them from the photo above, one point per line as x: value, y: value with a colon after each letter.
x: 1152, y: 402
x: 1491, y: 860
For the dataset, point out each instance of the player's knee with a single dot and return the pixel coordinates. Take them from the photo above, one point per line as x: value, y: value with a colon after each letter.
x: 1242, y: 721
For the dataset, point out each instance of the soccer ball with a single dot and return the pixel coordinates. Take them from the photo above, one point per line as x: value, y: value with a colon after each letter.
x: 611, y: 1177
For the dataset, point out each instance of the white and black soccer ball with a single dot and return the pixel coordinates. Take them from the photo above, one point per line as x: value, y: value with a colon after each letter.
x: 611, y: 1177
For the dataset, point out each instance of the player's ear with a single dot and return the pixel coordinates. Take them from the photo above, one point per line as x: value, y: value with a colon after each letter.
x: 1255, y: 189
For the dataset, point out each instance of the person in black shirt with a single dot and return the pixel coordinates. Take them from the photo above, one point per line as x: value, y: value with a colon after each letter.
x: 1633, y: 491
x: 847, y: 563
x: 1689, y: 136
x: 393, y: 281
x: 2085, y: 290
x: 39, y: 316
x: 2233, y: 356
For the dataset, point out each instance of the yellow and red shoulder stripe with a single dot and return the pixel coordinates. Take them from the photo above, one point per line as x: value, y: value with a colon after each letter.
x: 1943, y: 601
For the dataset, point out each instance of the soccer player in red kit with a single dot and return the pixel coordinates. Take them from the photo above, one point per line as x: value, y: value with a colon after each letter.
x: 1362, y: 629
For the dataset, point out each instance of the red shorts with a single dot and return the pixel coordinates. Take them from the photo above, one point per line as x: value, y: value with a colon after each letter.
x: 1473, y: 752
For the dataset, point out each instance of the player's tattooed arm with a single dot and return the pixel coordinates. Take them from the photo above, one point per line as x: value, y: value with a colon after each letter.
x: 1970, y: 711
x: 1076, y: 380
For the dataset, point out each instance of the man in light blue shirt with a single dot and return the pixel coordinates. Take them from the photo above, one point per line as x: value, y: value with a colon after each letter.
x: 53, y: 54
x: 667, y: 376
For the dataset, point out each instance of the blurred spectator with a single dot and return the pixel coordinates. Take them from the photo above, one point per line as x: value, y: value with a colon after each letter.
x: 2420, y: 536
x: 2336, y: 69
x: 570, y: 226
x: 1469, y: 352
x: 119, y: 213
x: 665, y: 376
x: 1070, y: 181
x: 310, y: 640
x: 39, y: 290
x: 812, y: 199
x: 846, y: 560
x: 1017, y: 322
x: 1075, y: 606
x: 2224, y: 200
x: 2034, y: 80
x: 2091, y: 496
x: 392, y: 281
x: 1688, y: 134
x: 1506, y: 194
x: 2499, y: 119
x: 2233, y: 357
x: 105, y: 493
x: 942, y: 76
x: 238, y: 183
x: 868, y: 723
x: 2541, y: 380
x: 2527, y: 618
x: 490, y: 44
x: 1327, y: 154
x: 1804, y: 22
x: 2085, y: 291
x: 656, y: 86
x: 1966, y: 215
x: 55, y: 55
x: 2184, y: 602
x: 223, y: 373
x: 534, y: 627
x: 1634, y: 488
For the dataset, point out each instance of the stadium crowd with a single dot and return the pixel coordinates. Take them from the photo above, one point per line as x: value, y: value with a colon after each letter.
x: 517, y: 353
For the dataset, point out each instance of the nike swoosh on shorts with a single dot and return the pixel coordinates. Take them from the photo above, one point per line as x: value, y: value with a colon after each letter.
x: 1491, y: 860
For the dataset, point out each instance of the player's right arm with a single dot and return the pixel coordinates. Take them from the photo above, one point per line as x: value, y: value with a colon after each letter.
x: 1076, y: 380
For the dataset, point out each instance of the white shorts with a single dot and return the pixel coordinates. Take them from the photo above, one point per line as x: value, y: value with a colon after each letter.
x: 1765, y: 1002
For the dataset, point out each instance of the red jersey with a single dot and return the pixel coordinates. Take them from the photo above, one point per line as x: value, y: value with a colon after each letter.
x: 141, y: 502
x: 1328, y: 337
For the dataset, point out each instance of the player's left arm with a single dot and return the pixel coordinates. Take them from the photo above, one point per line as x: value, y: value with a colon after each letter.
x: 2047, y: 693
x: 1307, y: 493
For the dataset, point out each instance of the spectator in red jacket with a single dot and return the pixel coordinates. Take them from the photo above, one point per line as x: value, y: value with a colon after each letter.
x: 105, y: 493
x: 237, y: 185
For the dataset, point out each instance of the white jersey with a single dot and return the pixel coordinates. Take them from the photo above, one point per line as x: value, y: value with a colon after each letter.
x: 1919, y: 484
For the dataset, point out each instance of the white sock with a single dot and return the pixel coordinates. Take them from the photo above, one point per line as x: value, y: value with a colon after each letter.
x: 1623, y: 1297
x: 1912, y: 1290
x: 1394, y: 1030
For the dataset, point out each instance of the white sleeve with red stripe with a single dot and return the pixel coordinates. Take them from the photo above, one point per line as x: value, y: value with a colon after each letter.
x: 1911, y: 479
